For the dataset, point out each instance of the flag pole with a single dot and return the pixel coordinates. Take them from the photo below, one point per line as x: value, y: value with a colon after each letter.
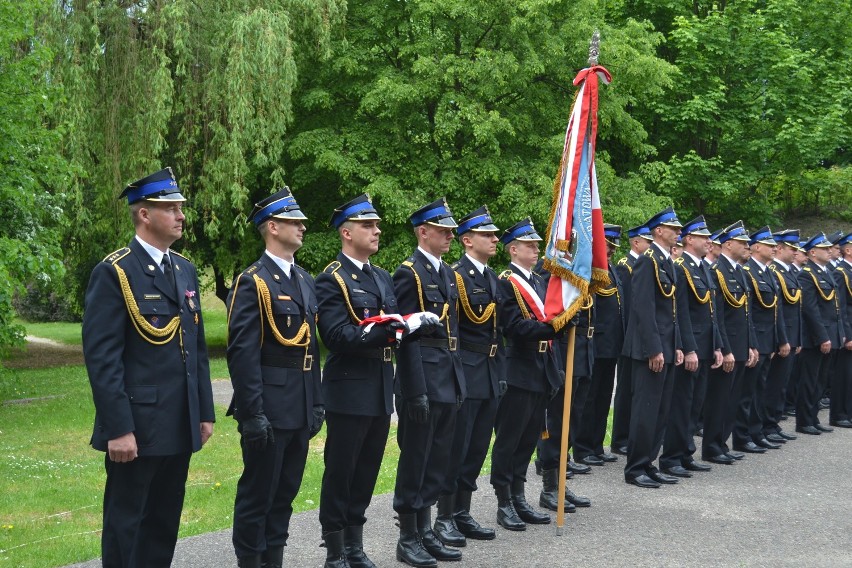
x: 566, y: 420
x: 594, y: 51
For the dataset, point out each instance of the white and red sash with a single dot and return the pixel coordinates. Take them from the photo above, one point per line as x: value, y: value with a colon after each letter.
x: 529, y: 295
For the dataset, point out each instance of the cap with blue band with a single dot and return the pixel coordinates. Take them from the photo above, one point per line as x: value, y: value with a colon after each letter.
x: 665, y: 217
x: 763, y: 236
x: 436, y: 213
x: 612, y: 234
x: 735, y: 232
x: 359, y: 209
x: 640, y: 231
x: 520, y: 231
x: 280, y: 205
x: 159, y: 186
x: 817, y: 241
x: 696, y: 226
x: 477, y: 221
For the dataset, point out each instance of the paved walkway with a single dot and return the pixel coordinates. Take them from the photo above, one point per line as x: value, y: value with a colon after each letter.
x: 789, y: 507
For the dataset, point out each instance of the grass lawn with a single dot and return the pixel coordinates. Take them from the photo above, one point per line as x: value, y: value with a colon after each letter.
x: 51, y: 481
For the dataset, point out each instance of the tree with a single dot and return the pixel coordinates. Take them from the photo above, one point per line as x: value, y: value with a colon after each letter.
x: 203, y: 85
x: 468, y: 100
x: 31, y: 168
x: 759, y: 109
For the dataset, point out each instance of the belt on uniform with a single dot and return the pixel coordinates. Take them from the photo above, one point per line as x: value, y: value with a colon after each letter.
x: 304, y: 363
x: 589, y: 331
x: 535, y: 346
x: 526, y: 349
x: 450, y: 343
x: 490, y: 350
x: 385, y: 354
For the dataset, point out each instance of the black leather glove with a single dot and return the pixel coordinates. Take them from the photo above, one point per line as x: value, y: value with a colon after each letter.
x: 554, y: 391
x: 318, y: 419
x: 428, y: 326
x: 502, y: 387
x: 257, y: 432
x: 418, y: 408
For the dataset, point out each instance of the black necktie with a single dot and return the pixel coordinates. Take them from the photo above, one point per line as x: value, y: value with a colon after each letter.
x: 169, y: 273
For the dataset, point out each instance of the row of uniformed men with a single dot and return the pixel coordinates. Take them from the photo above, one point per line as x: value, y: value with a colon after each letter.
x: 464, y: 341
x: 725, y: 334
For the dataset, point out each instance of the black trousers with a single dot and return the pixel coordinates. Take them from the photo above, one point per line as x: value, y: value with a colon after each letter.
x: 471, y: 439
x: 548, y: 449
x: 816, y: 367
x: 424, y: 455
x: 621, y: 404
x: 773, y: 396
x: 678, y: 444
x: 520, y: 419
x: 591, y: 431
x: 719, y: 408
x: 265, y: 492
x: 841, y: 387
x: 696, y: 414
x: 143, y: 500
x: 649, y: 412
x: 747, y: 423
x: 354, y: 448
x: 791, y: 389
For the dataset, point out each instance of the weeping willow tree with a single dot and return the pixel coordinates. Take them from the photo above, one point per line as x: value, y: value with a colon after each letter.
x: 202, y: 85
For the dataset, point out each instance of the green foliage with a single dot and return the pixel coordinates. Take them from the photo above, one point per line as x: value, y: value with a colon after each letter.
x: 30, y: 166
x: 203, y: 85
x: 467, y: 100
x: 759, y: 108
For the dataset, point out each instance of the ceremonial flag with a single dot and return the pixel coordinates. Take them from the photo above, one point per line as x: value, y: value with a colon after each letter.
x: 575, y: 252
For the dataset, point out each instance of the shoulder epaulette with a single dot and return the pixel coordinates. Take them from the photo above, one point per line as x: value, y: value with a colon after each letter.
x: 747, y: 267
x: 332, y: 267
x: 505, y: 274
x: 114, y: 257
x: 455, y: 265
x: 179, y: 254
x: 806, y: 268
x: 252, y: 269
x: 679, y: 260
x: 840, y: 268
x: 622, y: 261
x: 409, y: 262
x: 649, y: 252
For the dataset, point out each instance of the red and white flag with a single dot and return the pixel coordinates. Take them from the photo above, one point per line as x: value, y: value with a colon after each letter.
x: 575, y: 252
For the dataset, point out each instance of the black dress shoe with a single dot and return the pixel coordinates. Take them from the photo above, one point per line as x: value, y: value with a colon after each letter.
x: 735, y: 455
x: 777, y: 438
x: 592, y: 460
x: 696, y: 466
x: 608, y: 457
x: 788, y: 436
x: 823, y: 428
x: 661, y: 477
x: 677, y: 471
x: 750, y: 448
x: 764, y: 443
x: 621, y: 450
x: 824, y: 403
x: 723, y: 459
x: 842, y: 423
x: 577, y: 500
x: 809, y: 430
x: 643, y: 481
x: 790, y: 411
x: 575, y: 467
